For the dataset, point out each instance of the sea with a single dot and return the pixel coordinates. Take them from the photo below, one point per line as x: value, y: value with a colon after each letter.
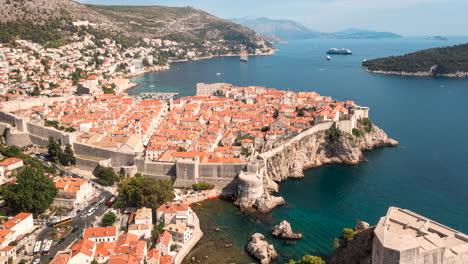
x: 427, y: 173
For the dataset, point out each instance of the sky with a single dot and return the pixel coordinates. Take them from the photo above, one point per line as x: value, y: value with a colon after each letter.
x: 406, y: 17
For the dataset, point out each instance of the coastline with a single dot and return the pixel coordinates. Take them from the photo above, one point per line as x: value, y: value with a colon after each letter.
x: 168, y: 66
x: 419, y: 74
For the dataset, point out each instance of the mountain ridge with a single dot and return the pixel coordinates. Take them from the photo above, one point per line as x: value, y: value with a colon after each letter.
x: 290, y: 29
x: 127, y: 24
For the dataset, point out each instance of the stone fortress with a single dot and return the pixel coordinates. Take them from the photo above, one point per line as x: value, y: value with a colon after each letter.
x: 21, y: 131
x: 408, y: 238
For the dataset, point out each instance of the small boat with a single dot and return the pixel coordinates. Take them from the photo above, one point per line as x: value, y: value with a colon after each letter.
x: 244, y: 57
x: 364, y: 60
x: 328, y: 57
x: 218, y: 73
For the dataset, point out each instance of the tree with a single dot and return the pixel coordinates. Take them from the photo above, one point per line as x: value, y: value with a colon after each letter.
x: 146, y: 192
x: 106, y: 176
x: 348, y: 234
x: 157, y: 230
x: 60, y: 211
x: 67, y: 157
x: 94, y: 261
x: 54, y: 150
x: 109, y: 219
x: 33, y: 192
x: 308, y: 259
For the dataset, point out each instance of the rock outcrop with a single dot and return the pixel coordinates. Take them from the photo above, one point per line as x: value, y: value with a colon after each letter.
x: 255, y: 193
x: 284, y: 231
x: 256, y: 188
x: 358, y: 250
x: 318, y: 149
x: 260, y: 249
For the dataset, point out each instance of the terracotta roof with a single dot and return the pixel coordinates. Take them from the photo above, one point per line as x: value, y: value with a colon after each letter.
x: 154, y: 254
x: 173, y: 208
x: 15, y: 220
x: 100, y: 232
x: 83, y: 246
x: 164, y: 237
x: 10, y: 161
x: 61, y: 258
x: 166, y: 259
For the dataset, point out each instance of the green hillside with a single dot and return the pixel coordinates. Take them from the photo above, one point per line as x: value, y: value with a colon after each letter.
x: 439, y: 61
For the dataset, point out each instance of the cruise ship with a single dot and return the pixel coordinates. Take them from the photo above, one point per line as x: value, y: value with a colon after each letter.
x: 339, y: 51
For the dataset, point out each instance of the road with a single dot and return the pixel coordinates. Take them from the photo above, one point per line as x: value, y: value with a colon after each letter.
x: 80, y: 222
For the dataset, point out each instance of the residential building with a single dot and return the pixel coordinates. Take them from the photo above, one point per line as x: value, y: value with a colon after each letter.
x: 101, y: 234
x: 72, y: 192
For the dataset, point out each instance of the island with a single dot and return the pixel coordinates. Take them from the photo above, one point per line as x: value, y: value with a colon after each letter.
x: 446, y: 61
x: 437, y: 38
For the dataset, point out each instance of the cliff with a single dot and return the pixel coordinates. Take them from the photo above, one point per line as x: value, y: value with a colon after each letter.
x: 356, y: 251
x: 318, y: 149
x: 256, y: 188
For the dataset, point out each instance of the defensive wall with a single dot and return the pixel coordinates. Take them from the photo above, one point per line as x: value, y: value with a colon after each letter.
x: 19, y: 132
x: 344, y: 125
x: 15, y: 105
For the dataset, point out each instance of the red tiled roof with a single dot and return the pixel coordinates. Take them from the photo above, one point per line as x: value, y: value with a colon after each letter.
x: 100, y: 232
x: 173, y: 208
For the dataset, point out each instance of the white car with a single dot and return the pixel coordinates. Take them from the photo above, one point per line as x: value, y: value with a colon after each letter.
x: 90, y: 212
x: 36, y: 261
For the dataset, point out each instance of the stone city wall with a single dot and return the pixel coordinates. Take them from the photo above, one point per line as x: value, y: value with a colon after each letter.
x: 118, y: 158
x: 86, y: 164
x: 155, y: 168
x: 221, y: 170
x: 46, y: 132
x: 15, y: 105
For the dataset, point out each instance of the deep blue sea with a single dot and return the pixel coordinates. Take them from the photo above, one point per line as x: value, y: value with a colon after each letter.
x: 427, y: 173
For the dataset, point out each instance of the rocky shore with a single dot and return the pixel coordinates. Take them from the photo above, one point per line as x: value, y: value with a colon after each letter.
x: 284, y: 231
x: 421, y: 74
x: 317, y: 150
x: 255, y: 191
x: 260, y: 249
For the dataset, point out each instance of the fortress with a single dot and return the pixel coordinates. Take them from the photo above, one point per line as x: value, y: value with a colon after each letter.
x: 21, y: 131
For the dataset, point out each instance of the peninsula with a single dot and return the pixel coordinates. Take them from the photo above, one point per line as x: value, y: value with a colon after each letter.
x: 447, y: 61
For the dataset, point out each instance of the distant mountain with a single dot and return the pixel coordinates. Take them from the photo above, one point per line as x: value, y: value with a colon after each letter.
x: 289, y: 30
x: 46, y: 21
x: 273, y: 39
x: 281, y: 28
x: 354, y: 33
x: 447, y: 61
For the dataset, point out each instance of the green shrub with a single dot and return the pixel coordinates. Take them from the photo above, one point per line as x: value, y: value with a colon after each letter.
x: 308, y: 259
x: 348, y: 234
x: 357, y: 132
x: 366, y: 124
x: 202, y: 186
x: 334, y: 133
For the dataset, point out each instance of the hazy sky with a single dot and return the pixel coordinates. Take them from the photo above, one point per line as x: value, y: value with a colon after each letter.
x: 407, y: 17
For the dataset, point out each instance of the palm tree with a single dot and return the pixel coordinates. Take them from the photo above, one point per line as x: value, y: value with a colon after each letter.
x: 60, y: 211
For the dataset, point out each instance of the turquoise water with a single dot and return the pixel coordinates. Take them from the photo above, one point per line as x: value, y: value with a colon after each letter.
x: 427, y: 173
